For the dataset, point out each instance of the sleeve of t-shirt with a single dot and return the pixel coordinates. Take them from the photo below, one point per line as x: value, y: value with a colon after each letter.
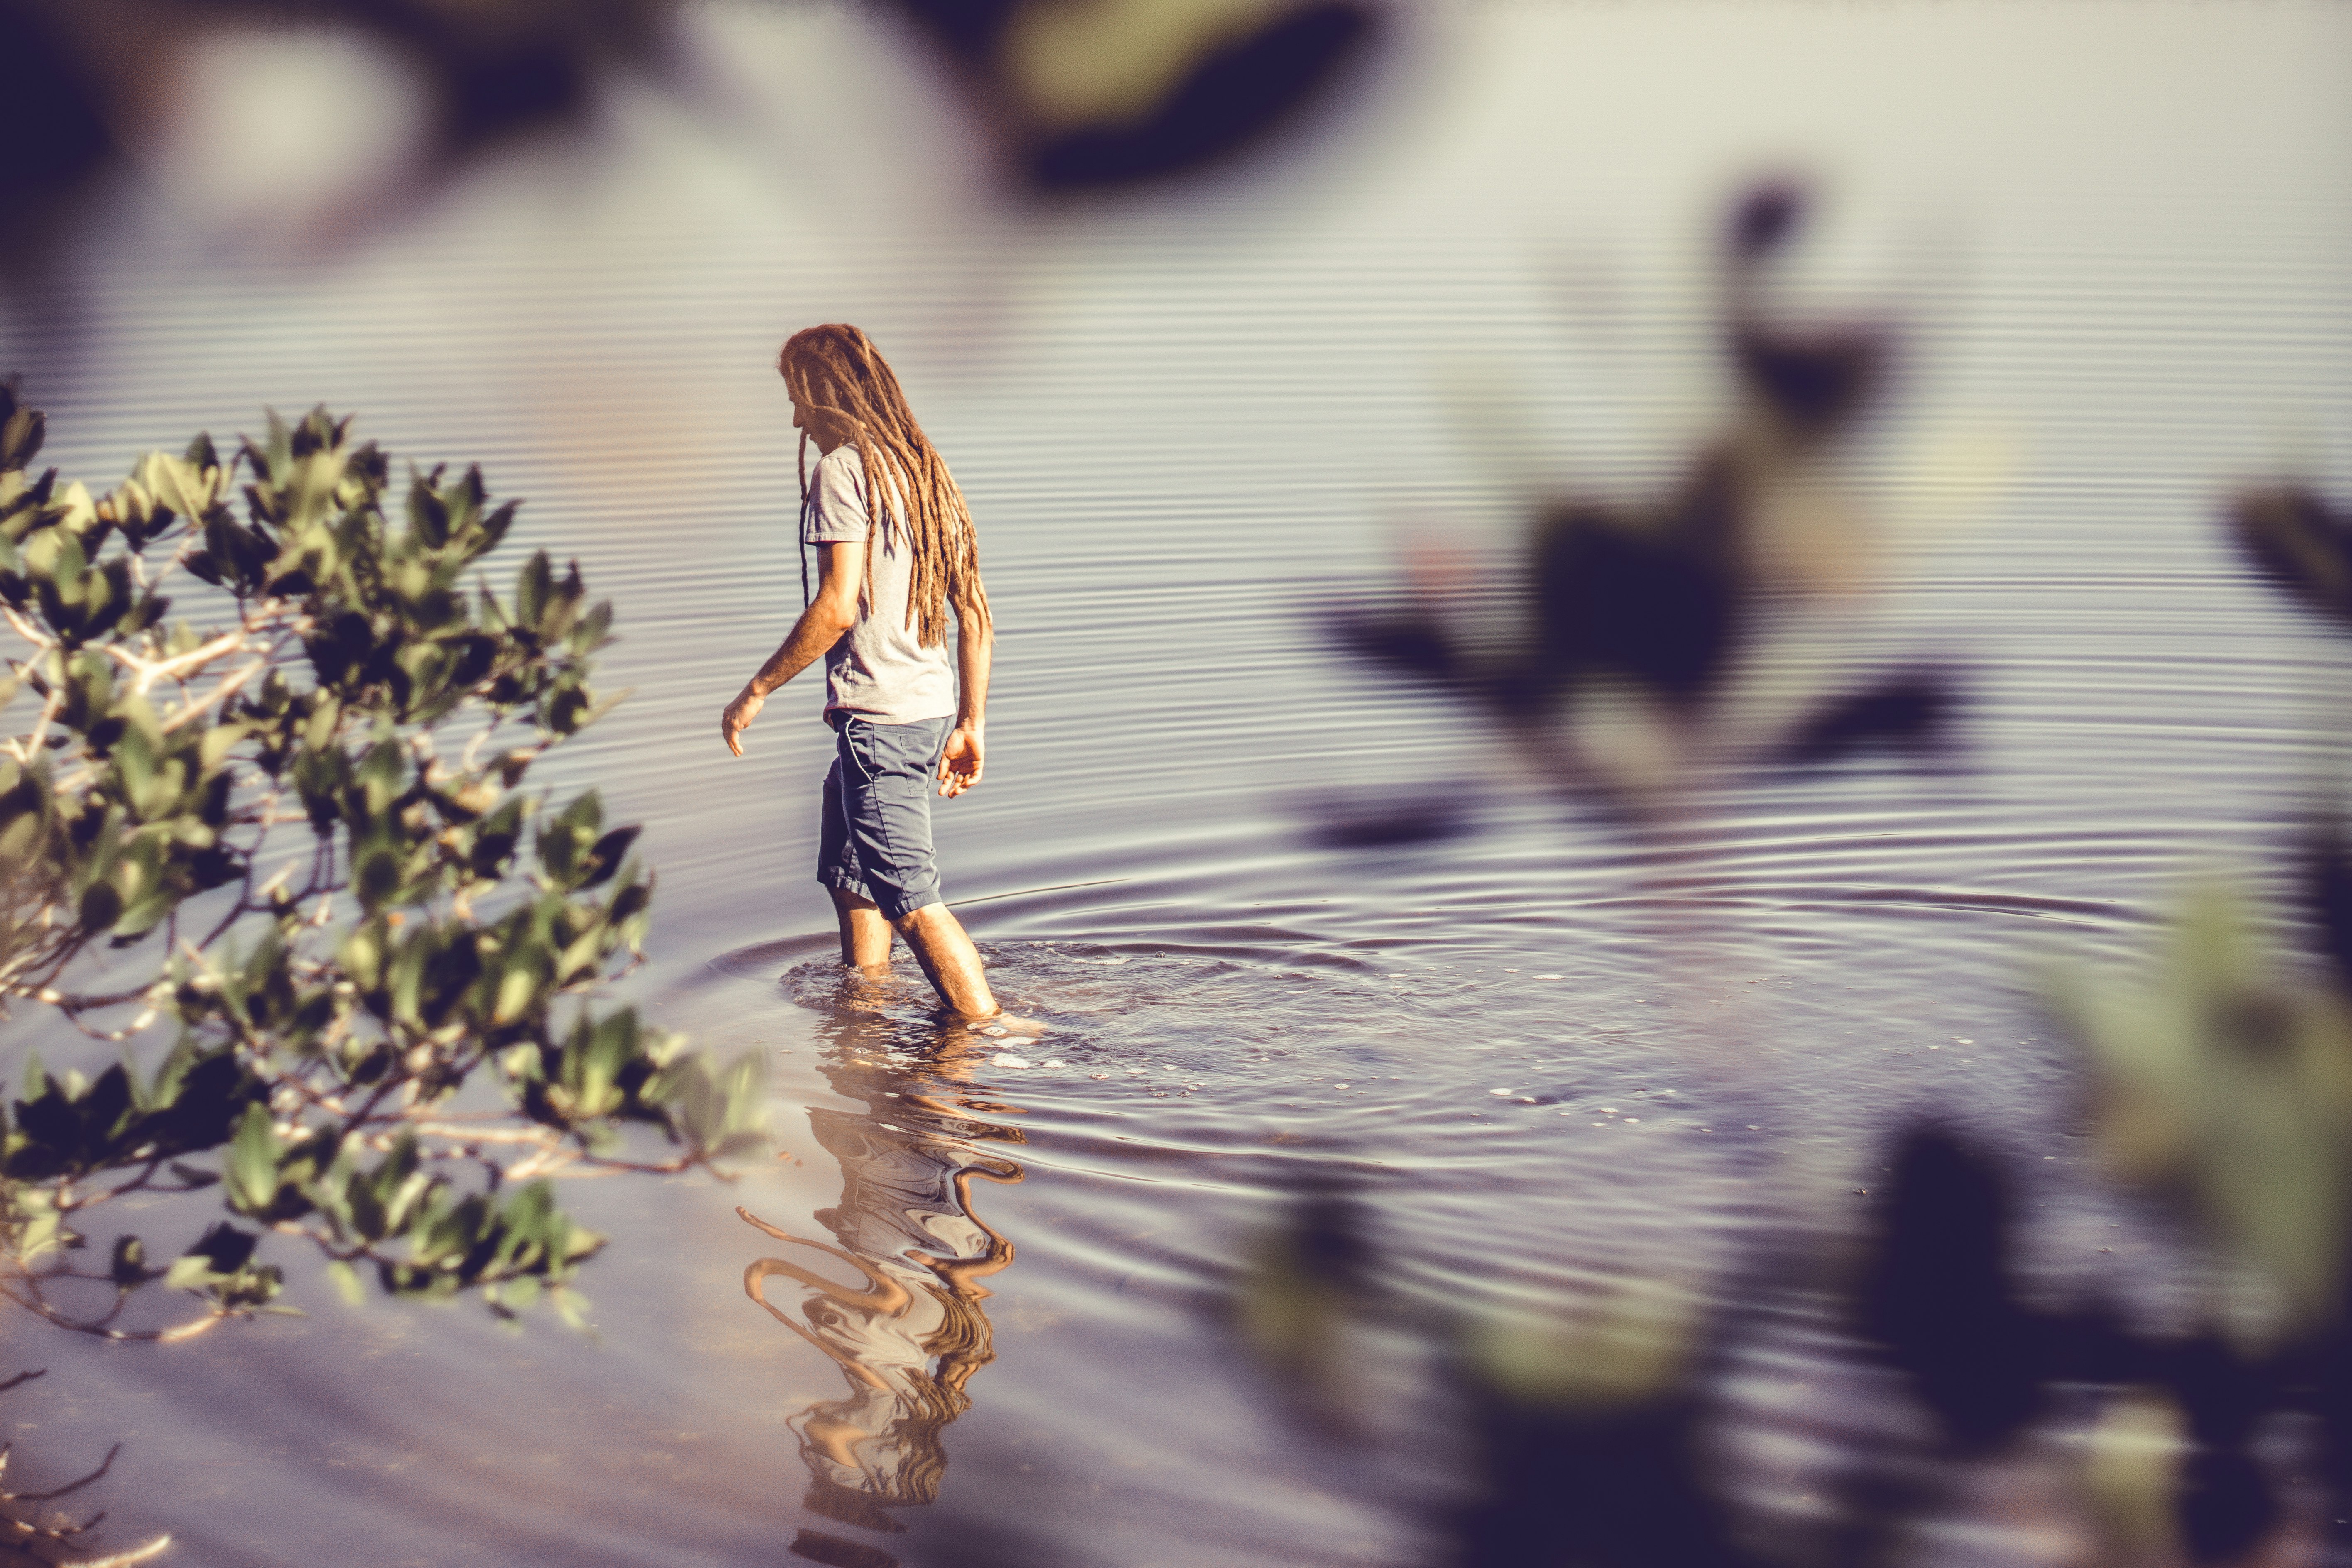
x: 836, y: 511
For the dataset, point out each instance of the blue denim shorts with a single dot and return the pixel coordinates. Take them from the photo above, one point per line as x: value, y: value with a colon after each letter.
x: 877, y: 838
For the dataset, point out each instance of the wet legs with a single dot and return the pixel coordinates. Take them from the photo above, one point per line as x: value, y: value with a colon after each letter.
x: 938, y: 940
x: 864, y: 934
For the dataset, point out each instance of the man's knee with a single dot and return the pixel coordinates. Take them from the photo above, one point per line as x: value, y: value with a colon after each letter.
x: 923, y: 917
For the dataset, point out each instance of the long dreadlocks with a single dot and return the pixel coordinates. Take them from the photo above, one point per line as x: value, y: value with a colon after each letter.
x: 841, y: 379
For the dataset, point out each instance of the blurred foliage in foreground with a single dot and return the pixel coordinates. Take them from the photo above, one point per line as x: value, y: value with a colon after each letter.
x: 1978, y: 1415
x: 1607, y: 1432
x: 1077, y: 96
x: 352, y: 1033
x: 1659, y: 638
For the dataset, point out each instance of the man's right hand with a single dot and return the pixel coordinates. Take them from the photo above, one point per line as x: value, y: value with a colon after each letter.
x: 960, y: 764
x: 738, y: 717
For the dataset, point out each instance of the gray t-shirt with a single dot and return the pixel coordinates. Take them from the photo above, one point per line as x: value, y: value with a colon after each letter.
x: 879, y: 670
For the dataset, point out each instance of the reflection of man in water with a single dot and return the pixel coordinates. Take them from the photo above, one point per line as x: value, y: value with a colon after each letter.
x: 910, y: 1335
x: 895, y: 554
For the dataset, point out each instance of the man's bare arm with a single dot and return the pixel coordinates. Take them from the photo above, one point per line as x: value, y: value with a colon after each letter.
x: 960, y: 764
x: 840, y: 570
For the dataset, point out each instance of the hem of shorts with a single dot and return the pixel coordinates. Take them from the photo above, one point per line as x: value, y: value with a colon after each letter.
x: 849, y: 884
x: 925, y: 902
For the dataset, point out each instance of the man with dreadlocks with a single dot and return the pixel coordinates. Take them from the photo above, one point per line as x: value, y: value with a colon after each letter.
x: 896, y: 552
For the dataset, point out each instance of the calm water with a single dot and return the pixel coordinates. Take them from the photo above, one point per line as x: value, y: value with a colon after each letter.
x: 1560, y: 1049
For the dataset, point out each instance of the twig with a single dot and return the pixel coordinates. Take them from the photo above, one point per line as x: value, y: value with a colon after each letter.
x: 27, y: 745
x: 149, y: 672
x: 27, y: 630
x: 70, y: 1487
x: 30, y: 1299
x: 228, y: 688
x: 146, y: 1554
x: 189, y: 543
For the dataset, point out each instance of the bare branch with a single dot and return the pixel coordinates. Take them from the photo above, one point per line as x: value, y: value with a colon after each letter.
x: 27, y: 630
x: 195, y: 658
x: 28, y: 745
x: 70, y: 1487
x: 30, y: 1299
x: 146, y: 1554
x: 228, y: 688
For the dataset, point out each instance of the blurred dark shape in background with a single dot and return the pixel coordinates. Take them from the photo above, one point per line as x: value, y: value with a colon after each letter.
x: 1609, y: 1489
x: 1107, y: 93
x: 1815, y: 377
x: 54, y: 136
x: 2300, y: 542
x: 1906, y: 710
x: 1377, y: 823
x: 1090, y: 95
x: 2327, y: 866
x: 1595, y: 1427
x: 1938, y: 1299
x: 1652, y: 595
x: 93, y: 85
x: 1664, y: 601
x: 1309, y: 1275
x: 1590, y: 1456
x: 2222, y: 1089
x: 1664, y: 593
x: 92, y: 69
x: 1581, y: 1427
x: 505, y: 67
x: 1937, y: 1294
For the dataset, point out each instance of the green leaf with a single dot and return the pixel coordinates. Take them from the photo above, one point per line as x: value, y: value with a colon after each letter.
x: 520, y: 986
x: 188, y: 1272
x: 224, y: 1252
x: 2227, y: 1089
x: 252, y: 1170
x: 39, y: 1226
x: 428, y: 514
x: 519, y: 1295
x: 533, y: 584
x: 376, y: 878
x: 21, y: 434
x: 100, y: 907
x: 494, y: 528
x: 128, y: 1266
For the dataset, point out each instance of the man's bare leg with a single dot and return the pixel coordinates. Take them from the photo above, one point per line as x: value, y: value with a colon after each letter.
x: 947, y: 957
x: 864, y: 934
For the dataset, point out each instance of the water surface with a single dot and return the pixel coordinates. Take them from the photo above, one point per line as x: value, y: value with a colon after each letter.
x: 1559, y: 1048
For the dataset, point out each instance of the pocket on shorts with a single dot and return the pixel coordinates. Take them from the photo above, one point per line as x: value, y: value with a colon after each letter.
x: 857, y: 745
